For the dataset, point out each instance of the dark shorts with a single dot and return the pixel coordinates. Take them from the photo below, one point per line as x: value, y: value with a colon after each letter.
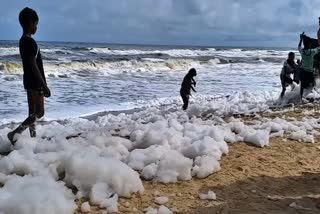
x: 185, y: 99
x: 285, y: 80
x: 35, y: 102
x: 306, y: 78
x: 185, y: 96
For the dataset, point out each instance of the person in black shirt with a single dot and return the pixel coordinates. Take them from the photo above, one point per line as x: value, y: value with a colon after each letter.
x: 289, y: 68
x: 186, y: 87
x: 34, y: 80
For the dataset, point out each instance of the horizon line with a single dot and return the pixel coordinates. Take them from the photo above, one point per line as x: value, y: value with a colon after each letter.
x: 150, y: 45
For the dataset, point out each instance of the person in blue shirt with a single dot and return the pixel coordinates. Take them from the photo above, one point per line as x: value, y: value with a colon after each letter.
x: 306, y: 69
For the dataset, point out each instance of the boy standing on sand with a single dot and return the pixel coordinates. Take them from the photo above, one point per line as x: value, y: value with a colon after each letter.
x: 34, y: 80
x: 186, y: 87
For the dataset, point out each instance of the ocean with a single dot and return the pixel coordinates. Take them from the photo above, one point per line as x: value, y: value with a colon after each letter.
x: 115, y: 120
x: 87, y: 78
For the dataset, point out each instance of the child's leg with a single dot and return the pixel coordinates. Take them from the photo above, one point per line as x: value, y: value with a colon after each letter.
x: 296, y: 77
x: 32, y: 111
x: 32, y: 130
x: 35, y: 103
x: 283, y: 88
x: 303, y: 80
x: 39, y: 101
x: 301, y: 89
x: 283, y: 84
x: 26, y: 124
x: 313, y: 80
x: 185, y: 99
x: 37, y: 108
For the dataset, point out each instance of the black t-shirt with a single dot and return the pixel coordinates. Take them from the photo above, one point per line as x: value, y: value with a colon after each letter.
x: 28, y: 49
x: 186, y: 85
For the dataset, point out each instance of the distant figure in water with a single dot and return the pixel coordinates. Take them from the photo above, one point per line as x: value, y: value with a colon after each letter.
x: 34, y: 80
x: 186, y: 86
x: 289, y: 68
x: 307, y: 66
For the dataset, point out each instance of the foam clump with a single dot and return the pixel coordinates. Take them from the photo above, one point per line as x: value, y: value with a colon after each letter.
x: 173, y: 167
x: 85, y: 207
x: 248, y: 134
x: 205, y: 166
x: 35, y: 195
x: 162, y: 210
x: 102, y: 179
x: 139, y: 158
x: 209, y: 196
x: 302, y: 136
x: 257, y: 137
x: 151, y: 210
x: 161, y: 200
x: 149, y: 172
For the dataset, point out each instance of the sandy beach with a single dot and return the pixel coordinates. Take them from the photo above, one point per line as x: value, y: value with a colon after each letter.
x: 281, y: 178
x: 197, y: 107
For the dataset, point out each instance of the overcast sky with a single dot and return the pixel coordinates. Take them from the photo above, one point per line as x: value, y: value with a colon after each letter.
x: 175, y: 22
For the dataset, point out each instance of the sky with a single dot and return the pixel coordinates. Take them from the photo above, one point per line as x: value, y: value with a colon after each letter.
x: 275, y: 23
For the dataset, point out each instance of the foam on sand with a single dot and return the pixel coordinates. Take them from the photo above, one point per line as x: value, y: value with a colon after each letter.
x: 35, y: 195
x: 209, y: 196
x: 105, y: 162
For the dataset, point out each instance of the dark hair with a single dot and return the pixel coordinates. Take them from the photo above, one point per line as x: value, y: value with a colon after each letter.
x: 27, y: 16
x: 192, y: 72
x: 290, y: 54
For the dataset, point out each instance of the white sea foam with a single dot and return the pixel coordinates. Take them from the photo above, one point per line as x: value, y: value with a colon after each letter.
x: 164, y: 144
x: 159, y: 141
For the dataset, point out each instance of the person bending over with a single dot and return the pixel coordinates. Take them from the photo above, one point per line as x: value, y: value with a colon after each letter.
x: 186, y: 86
x: 289, y: 68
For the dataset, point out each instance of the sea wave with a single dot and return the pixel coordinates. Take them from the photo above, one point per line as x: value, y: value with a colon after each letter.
x: 80, y: 68
x: 182, y: 52
x: 64, y: 68
x: 10, y: 67
x: 9, y: 51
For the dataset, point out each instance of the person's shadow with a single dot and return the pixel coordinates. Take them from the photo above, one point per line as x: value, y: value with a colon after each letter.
x: 262, y: 195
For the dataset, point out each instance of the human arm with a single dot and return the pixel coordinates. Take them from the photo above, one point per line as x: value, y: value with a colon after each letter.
x: 193, y: 82
x: 298, y: 62
x: 193, y: 88
x: 318, y: 34
x: 315, y: 51
x: 37, y: 74
x: 300, y: 43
